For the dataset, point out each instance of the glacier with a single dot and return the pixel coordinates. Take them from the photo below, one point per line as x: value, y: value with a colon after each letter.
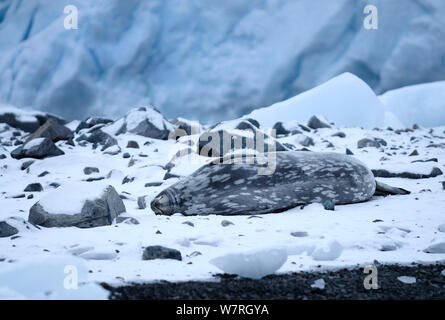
x: 208, y: 60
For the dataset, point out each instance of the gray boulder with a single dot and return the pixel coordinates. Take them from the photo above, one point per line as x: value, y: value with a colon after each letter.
x: 7, y: 230
x: 366, y: 142
x: 98, y: 137
x: 159, y: 252
x: 317, y: 123
x: 39, y: 148
x: 99, y: 205
x: 28, y: 121
x: 52, y: 130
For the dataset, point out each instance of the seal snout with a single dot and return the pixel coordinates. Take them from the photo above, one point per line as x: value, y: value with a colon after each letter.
x: 161, y: 205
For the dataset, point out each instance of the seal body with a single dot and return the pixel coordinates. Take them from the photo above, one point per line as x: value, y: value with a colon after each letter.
x: 299, y: 178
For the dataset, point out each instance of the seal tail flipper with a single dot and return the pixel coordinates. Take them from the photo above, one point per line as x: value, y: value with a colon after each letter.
x: 383, y: 190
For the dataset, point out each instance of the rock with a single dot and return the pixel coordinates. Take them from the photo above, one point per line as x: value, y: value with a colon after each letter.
x: 304, y: 140
x: 443, y: 185
x: 126, y: 155
x: 318, y: 123
x: 299, y: 234
x: 169, y: 175
x: 98, y: 137
x: 381, y: 142
x: 39, y: 148
x: 159, y: 252
x: 25, y: 165
x: 339, y: 134
x: 441, y: 228
x: 153, y: 184
x: 189, y: 223
x: 83, y: 205
x: 132, y: 144
x: 226, y: 223
x: 280, y: 129
x: 349, y: 152
x: 414, y: 153
x: 426, y: 160
x: 44, y: 173
x: 383, y: 173
x: 436, y: 248
x: 91, y: 122
x: 128, y: 179
x: 2, y: 156
x: 52, y: 130
x: 365, y: 143
x: 7, y: 230
x: 142, y: 203
x: 127, y: 220
x: 145, y: 121
x: 28, y: 121
x: 328, y: 205
x: 228, y: 140
x: 90, y: 170
x: 113, y: 150
x: 34, y: 187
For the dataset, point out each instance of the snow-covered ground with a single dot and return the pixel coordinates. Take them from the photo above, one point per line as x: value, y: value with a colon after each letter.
x: 388, y: 229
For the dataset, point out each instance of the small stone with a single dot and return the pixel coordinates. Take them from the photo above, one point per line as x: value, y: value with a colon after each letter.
x: 299, y: 234
x: 317, y: 123
x: 126, y: 155
x: 365, y: 143
x: 414, y: 153
x: 152, y: 184
x: 90, y: 170
x: 127, y: 180
x: 44, y: 173
x: 2, y: 156
x: 159, y: 252
x: 132, y: 144
x: 25, y: 165
x: 226, y: 223
x: 328, y: 204
x: 127, y: 220
x: 141, y: 202
x: 33, y: 187
x: 7, y: 230
x: 188, y: 223
x: 195, y: 254
x: 339, y: 134
x: 349, y: 152
x: 443, y: 185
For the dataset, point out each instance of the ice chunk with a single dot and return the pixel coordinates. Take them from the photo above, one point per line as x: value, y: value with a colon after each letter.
x: 407, y: 280
x: 254, y: 264
x: 329, y: 252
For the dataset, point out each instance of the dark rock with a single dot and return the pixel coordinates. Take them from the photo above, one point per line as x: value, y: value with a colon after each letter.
x: 153, y: 184
x: 44, y: 173
x: 54, y: 185
x: 52, y: 130
x: 126, y: 155
x: 98, y: 137
x: 30, y: 196
x: 316, y: 123
x: 132, y: 144
x: 2, y: 156
x: 443, y: 185
x: 169, y: 175
x: 280, y: 129
x: 25, y: 165
x: 94, y: 213
x: 339, y: 134
x: 365, y: 143
x: 189, y: 223
x: 7, y: 230
x: 299, y: 234
x: 328, y: 204
x: 349, y: 152
x: 91, y: 122
x: 226, y: 223
x: 15, y: 121
x: 90, y: 170
x: 18, y: 196
x: 39, y: 148
x: 414, y: 153
x: 94, y: 179
x: 141, y: 202
x: 426, y: 160
x: 34, y: 187
x: 383, y: 173
x: 127, y: 179
x: 159, y: 252
x: 127, y: 220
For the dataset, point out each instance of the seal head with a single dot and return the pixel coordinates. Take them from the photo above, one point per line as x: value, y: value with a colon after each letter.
x: 165, y: 203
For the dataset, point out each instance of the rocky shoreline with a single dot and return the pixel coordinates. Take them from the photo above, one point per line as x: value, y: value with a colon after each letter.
x: 343, y: 284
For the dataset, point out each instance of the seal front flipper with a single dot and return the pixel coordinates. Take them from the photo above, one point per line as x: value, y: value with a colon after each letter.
x: 383, y: 190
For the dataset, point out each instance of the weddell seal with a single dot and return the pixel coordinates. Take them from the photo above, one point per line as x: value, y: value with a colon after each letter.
x: 299, y: 178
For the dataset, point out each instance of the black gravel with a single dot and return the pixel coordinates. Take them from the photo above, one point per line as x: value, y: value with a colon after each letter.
x: 344, y: 284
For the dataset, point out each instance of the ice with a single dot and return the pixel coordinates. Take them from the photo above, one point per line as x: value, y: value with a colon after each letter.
x: 47, y: 278
x: 70, y: 197
x: 406, y: 279
x: 328, y: 252
x: 438, y: 248
x: 319, y: 284
x: 216, y: 59
x: 255, y: 264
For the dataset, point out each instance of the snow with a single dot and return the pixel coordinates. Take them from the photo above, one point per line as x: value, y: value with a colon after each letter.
x: 255, y: 264
x: 33, y: 143
x: 69, y: 198
x: 331, y: 251
x: 406, y: 279
x: 215, y: 60
x: 21, y: 114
